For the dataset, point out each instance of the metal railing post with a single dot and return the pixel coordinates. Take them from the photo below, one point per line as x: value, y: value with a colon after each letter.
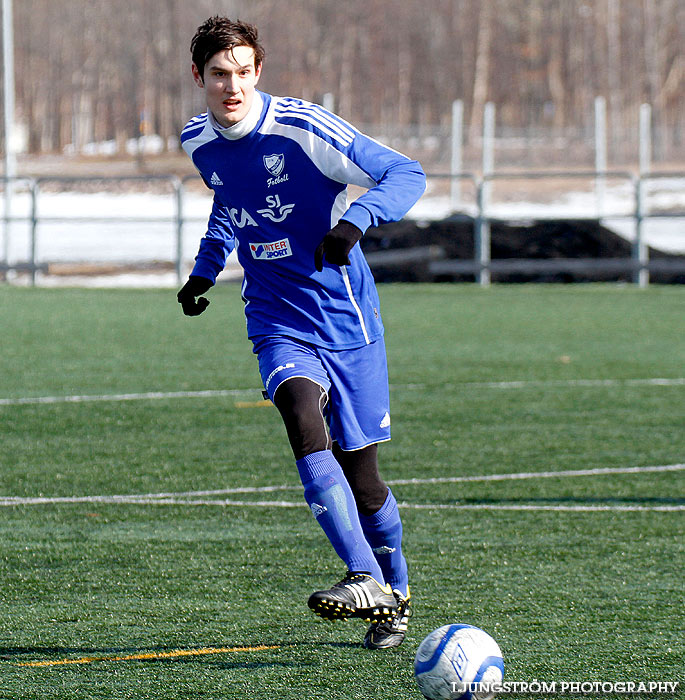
x: 7, y: 182
x: 457, y: 158
x: 178, y: 191
x: 485, y: 193
x: 34, y: 229
x: 600, y: 154
x: 481, y: 243
x: 644, y: 167
x: 640, y: 252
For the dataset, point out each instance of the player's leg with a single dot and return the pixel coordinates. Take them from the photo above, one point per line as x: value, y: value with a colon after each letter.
x: 361, y: 470
x: 297, y: 384
x: 382, y: 527
x: 378, y: 512
x: 359, y: 421
x: 301, y: 403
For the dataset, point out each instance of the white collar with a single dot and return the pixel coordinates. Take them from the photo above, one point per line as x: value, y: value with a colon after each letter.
x: 245, y: 125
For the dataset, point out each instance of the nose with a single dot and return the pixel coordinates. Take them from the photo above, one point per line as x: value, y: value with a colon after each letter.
x: 231, y: 85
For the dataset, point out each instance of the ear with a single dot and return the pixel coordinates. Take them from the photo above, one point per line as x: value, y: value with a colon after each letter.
x: 258, y: 72
x: 197, y: 76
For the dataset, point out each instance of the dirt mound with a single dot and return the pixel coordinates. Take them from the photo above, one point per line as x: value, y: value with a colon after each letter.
x: 432, y: 251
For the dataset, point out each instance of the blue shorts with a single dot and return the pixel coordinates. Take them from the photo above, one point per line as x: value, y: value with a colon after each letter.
x: 356, y: 382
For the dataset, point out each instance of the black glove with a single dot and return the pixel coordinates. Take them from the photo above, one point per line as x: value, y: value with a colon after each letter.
x: 337, y: 244
x: 191, y: 289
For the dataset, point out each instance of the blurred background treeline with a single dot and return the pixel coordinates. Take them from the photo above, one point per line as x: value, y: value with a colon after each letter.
x: 107, y: 71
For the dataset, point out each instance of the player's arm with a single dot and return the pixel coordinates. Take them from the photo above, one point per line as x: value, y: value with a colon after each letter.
x: 397, y: 183
x: 394, y: 183
x: 215, y: 248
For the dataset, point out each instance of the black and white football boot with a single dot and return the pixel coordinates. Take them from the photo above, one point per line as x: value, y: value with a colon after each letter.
x: 357, y: 595
x: 391, y: 633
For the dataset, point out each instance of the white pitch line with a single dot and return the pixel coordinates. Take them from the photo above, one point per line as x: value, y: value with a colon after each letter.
x: 647, y: 381
x: 190, y: 498
x: 223, y: 492
x: 435, y: 480
x: 570, y: 509
x: 540, y: 475
x: 143, y: 497
x: 409, y: 506
x: 168, y: 499
x: 144, y: 396
x: 218, y: 393
x: 133, y: 500
x: 181, y: 495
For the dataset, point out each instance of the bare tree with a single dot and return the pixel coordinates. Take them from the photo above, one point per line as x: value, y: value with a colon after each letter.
x: 482, y: 70
x: 115, y: 69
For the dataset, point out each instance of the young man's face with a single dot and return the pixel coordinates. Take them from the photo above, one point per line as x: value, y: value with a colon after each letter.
x: 229, y: 82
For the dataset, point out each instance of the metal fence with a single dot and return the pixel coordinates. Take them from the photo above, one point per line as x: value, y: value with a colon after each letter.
x: 172, y: 224
x: 635, y: 209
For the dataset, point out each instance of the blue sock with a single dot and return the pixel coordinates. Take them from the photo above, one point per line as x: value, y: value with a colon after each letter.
x: 383, y: 530
x: 331, y: 501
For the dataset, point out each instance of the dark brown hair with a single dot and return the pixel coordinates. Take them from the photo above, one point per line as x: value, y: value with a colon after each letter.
x: 221, y: 33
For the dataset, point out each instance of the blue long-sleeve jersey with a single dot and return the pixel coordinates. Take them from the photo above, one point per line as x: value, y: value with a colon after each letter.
x: 280, y: 180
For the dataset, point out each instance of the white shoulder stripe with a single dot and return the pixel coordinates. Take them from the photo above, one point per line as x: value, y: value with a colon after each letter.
x: 197, y: 119
x: 331, y: 161
x: 195, y: 123
x: 202, y: 137
x: 336, y: 136
x: 319, y: 113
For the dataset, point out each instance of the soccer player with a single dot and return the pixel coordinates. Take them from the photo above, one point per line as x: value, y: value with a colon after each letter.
x: 279, y: 168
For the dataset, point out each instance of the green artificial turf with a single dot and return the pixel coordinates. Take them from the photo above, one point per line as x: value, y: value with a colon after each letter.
x: 578, y: 577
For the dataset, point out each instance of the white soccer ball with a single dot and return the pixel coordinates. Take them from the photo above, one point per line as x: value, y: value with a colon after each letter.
x: 458, y: 662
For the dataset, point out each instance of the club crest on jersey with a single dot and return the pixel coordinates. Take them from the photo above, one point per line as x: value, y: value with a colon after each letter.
x: 274, y: 165
x: 272, y: 250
